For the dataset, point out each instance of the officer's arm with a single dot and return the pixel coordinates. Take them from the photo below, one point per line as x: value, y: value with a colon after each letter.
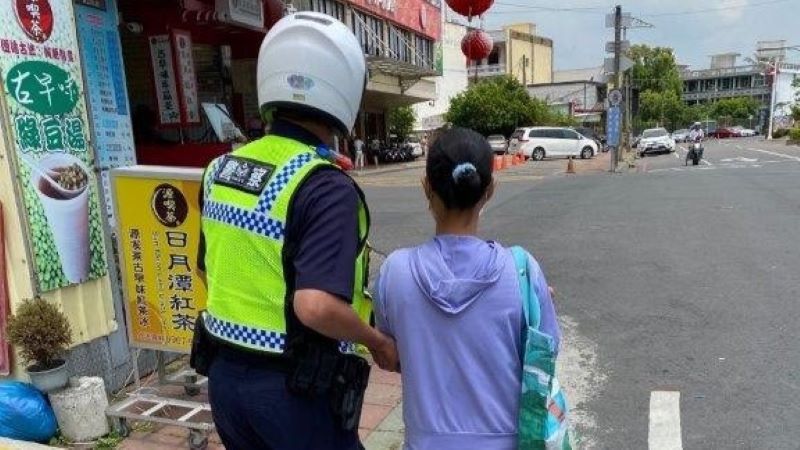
x: 330, y: 316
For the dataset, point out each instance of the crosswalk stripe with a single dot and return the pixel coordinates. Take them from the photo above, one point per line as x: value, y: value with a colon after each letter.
x: 665, y: 421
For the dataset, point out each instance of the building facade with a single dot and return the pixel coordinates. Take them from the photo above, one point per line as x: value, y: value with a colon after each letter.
x: 728, y: 79
x: 453, y: 80
x: 518, y: 52
x: 141, y: 73
x: 579, y: 93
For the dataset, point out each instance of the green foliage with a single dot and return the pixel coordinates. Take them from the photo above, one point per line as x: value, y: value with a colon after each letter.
x: 794, y: 134
x: 665, y: 107
x: 736, y: 108
x: 655, y: 69
x: 497, y: 106
x: 780, y: 133
x: 41, y: 331
x: 401, y: 121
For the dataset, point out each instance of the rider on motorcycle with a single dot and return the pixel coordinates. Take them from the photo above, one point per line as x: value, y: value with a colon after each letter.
x: 696, y: 134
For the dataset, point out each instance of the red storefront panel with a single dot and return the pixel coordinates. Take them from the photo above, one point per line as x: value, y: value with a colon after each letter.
x: 422, y: 16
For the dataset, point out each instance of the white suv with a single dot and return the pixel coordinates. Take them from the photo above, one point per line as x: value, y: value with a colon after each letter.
x: 540, y: 142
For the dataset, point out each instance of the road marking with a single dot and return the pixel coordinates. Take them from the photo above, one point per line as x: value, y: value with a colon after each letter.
x: 793, y: 158
x: 665, y: 421
x: 706, y: 162
x: 677, y: 155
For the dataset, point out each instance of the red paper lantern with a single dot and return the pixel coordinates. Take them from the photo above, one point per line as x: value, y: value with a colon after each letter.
x: 477, y: 45
x: 470, y: 8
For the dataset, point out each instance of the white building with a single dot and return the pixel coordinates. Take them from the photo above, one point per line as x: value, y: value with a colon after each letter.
x: 430, y: 114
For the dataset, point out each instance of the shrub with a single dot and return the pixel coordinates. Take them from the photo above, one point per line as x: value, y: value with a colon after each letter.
x: 794, y: 134
x: 41, y: 331
x: 780, y: 133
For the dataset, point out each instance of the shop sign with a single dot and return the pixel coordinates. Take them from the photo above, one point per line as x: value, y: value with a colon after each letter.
x: 187, y: 80
x: 108, y: 96
x: 35, y: 17
x: 169, y: 110
x: 159, y: 231
x: 249, y: 13
x: 53, y: 158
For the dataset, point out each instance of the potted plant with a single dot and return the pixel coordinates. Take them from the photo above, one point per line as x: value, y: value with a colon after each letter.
x: 42, y: 334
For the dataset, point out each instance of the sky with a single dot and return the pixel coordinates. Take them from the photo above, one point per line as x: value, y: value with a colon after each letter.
x: 695, y: 29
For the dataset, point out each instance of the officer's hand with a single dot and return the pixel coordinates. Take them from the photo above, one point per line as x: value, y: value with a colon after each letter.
x: 385, y: 353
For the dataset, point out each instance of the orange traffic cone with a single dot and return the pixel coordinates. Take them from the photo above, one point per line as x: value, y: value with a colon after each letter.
x: 498, y: 163
x: 570, y: 166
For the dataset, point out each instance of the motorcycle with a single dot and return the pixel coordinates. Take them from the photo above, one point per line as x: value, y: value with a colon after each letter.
x: 695, y: 153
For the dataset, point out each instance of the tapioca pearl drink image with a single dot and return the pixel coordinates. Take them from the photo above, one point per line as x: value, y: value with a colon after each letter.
x: 67, y: 214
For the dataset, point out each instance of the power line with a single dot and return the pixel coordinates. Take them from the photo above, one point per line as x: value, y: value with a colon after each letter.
x: 719, y: 8
x: 603, y: 10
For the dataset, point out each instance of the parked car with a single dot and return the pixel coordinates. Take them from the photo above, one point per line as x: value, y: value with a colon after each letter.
x: 498, y: 143
x: 416, y: 146
x: 655, y: 140
x: 743, y: 132
x: 680, y: 135
x: 723, y: 133
x: 538, y: 143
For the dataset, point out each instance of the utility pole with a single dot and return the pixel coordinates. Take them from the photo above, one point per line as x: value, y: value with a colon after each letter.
x: 772, y: 96
x: 525, y: 70
x: 618, y: 70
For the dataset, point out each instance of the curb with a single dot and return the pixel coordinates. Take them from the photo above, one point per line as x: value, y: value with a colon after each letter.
x: 393, y: 168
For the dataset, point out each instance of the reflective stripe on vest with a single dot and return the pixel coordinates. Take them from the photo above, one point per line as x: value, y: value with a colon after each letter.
x: 244, y: 246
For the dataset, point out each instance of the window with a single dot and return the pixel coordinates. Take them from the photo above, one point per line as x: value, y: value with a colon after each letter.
x: 330, y: 7
x: 538, y: 133
x: 424, y: 48
x: 369, y: 32
x: 569, y: 134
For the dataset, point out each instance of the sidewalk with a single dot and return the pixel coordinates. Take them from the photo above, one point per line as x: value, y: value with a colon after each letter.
x: 381, y: 420
x: 388, y: 168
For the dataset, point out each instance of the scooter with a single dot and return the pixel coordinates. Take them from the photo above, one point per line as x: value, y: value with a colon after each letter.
x: 695, y: 152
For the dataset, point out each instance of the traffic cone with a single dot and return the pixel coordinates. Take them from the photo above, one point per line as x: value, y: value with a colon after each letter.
x: 498, y: 163
x: 570, y: 166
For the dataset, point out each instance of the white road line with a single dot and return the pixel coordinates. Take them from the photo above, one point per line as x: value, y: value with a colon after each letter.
x: 793, y: 158
x: 706, y: 162
x: 665, y: 421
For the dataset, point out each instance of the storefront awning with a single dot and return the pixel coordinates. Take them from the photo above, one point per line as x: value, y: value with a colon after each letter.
x: 398, y: 68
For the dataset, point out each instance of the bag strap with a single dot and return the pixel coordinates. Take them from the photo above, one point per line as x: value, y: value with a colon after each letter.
x: 530, y: 301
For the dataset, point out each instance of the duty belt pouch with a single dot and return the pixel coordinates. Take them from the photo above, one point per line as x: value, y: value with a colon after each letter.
x: 204, y: 347
x: 347, y: 391
x: 314, y: 371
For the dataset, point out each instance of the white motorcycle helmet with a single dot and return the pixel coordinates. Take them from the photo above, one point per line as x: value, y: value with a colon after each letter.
x: 312, y: 64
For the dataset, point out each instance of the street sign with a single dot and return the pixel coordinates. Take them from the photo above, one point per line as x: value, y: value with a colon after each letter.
x: 625, y: 63
x: 613, y: 126
x: 624, y: 46
x: 615, y: 97
x: 626, y: 20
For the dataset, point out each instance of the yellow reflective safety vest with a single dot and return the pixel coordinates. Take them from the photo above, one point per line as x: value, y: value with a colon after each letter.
x: 248, y: 195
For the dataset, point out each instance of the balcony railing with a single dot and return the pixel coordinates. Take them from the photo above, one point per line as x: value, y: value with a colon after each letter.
x: 746, y: 92
x: 405, y: 61
x: 488, y: 70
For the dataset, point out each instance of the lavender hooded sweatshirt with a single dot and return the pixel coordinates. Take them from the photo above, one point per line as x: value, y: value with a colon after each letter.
x: 453, y: 306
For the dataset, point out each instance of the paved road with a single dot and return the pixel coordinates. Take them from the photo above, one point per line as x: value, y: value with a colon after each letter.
x: 678, y: 291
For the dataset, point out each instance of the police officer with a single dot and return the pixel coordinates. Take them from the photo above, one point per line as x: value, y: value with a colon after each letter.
x: 284, y: 246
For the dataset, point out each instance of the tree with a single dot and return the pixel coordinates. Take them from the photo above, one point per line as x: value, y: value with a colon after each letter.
x: 796, y: 106
x: 735, y: 108
x: 497, y: 106
x: 665, y: 108
x: 655, y: 73
x: 401, y: 121
x: 655, y: 69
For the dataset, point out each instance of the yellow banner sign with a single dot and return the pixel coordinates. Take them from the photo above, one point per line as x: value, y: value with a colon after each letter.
x: 158, y: 230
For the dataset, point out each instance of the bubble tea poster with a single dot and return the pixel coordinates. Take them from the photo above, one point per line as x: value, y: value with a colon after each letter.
x: 46, y: 113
